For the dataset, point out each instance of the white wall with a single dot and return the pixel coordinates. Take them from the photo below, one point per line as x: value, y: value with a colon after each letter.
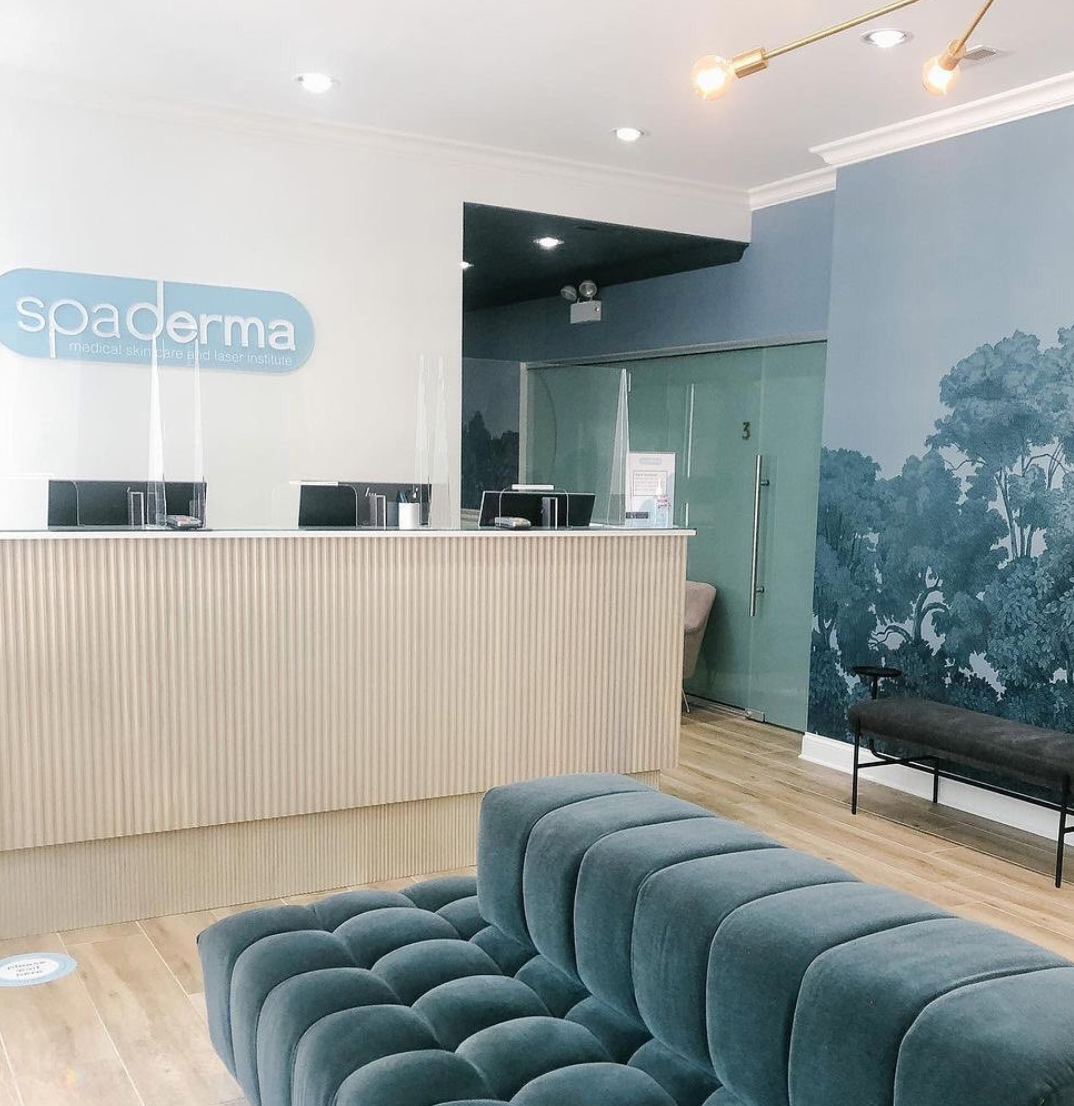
x: 365, y: 230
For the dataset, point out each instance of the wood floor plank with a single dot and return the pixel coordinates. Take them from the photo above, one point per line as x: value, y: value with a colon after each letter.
x: 809, y: 807
x: 1036, y: 911
x: 8, y: 1094
x: 156, y: 1029
x: 870, y: 868
x: 73, y: 937
x: 1002, y: 919
x: 60, y: 1053
x: 175, y: 937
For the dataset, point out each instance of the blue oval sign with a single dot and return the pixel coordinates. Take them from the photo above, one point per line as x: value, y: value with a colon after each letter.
x: 32, y: 968
x: 86, y: 317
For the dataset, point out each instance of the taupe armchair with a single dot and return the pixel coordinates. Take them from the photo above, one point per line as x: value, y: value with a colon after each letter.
x: 699, y: 600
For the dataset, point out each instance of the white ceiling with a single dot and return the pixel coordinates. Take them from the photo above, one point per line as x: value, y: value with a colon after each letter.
x: 548, y: 77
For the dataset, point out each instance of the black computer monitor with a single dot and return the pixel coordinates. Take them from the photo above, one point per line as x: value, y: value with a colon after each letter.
x: 105, y: 502
x: 580, y: 508
x: 575, y: 509
x: 328, y: 507
x: 345, y: 504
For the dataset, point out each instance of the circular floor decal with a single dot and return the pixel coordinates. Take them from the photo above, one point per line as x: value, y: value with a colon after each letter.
x: 32, y: 968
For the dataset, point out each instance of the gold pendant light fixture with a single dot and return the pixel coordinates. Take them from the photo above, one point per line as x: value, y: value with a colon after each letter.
x: 941, y: 72
x: 711, y: 76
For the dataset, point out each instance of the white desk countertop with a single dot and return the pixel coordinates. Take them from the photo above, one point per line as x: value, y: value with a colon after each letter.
x: 89, y: 533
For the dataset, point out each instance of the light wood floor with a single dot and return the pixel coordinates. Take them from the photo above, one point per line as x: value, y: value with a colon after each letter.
x: 128, y: 1028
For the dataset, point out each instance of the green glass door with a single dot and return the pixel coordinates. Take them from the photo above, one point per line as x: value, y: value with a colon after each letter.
x: 719, y: 497
x: 745, y: 428
x: 788, y: 445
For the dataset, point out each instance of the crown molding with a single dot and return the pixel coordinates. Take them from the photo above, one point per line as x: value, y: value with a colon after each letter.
x: 1005, y: 107
x: 789, y: 189
x: 24, y: 86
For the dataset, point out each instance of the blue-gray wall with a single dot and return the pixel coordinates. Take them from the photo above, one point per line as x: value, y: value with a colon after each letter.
x: 946, y: 527
x: 780, y: 288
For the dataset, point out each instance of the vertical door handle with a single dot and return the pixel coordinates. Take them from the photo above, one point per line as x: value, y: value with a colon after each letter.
x: 758, y: 483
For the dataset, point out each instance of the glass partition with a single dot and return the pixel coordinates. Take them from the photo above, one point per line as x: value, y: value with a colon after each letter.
x: 163, y: 434
x: 571, y: 421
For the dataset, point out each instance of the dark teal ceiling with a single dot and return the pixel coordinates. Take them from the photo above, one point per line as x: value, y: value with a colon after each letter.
x: 509, y: 268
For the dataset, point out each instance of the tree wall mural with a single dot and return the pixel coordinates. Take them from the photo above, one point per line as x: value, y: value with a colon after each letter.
x: 959, y: 569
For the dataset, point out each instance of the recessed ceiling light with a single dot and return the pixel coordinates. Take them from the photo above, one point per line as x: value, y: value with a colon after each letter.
x: 628, y: 134
x: 884, y: 38
x: 317, y: 83
x: 548, y: 242
x: 464, y: 265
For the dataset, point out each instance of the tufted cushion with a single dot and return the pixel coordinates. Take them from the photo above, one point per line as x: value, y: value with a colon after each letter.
x: 421, y: 1078
x: 621, y: 1036
x: 889, y: 979
x: 294, y: 1007
x: 559, y: 991
x: 557, y: 845
x: 342, y: 1043
x: 464, y: 915
x: 610, y: 878
x: 373, y: 935
x: 336, y: 909
x: 691, y: 900
x: 435, y: 894
x: 593, y: 1085
x: 416, y: 969
x: 512, y: 1053
x: 258, y: 971
x: 688, y: 1084
x: 678, y: 952
x: 462, y: 1007
x: 1027, y: 1019
x: 221, y: 945
x: 757, y: 963
x: 508, y: 815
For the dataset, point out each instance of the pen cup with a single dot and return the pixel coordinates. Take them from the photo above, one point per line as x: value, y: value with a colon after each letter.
x: 409, y: 516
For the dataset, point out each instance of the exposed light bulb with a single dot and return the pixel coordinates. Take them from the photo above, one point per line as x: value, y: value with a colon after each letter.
x: 938, y: 77
x: 548, y: 242
x: 711, y: 76
x: 588, y: 289
x: 317, y: 83
x: 628, y: 134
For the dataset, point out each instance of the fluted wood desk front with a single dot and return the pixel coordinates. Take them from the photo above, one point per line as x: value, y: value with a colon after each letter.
x: 204, y: 718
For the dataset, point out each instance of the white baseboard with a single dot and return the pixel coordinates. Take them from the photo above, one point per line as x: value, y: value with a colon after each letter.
x: 960, y: 796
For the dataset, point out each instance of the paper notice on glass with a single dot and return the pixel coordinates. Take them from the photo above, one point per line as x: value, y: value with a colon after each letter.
x: 650, y: 490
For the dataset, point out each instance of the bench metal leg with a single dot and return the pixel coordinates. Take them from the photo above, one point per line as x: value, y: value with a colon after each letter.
x: 935, y: 782
x: 1062, y: 832
x: 857, y: 758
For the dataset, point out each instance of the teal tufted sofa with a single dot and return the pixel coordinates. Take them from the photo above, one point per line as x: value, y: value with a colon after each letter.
x: 624, y: 948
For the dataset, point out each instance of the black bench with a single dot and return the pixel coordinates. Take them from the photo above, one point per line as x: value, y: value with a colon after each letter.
x: 931, y: 735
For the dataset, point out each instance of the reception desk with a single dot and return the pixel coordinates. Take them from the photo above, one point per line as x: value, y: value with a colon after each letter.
x: 188, y: 720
